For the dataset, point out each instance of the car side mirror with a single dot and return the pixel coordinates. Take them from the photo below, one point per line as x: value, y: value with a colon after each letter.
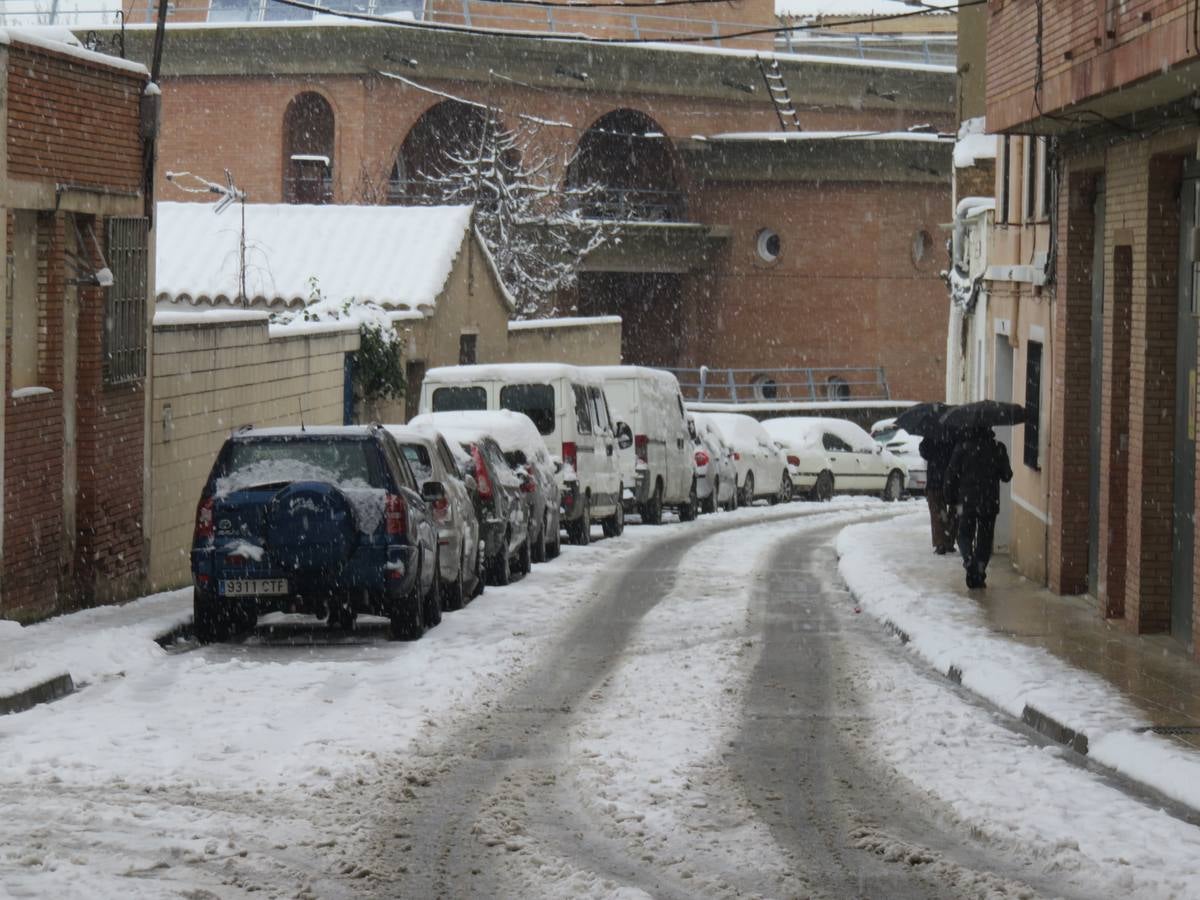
x: 433, y: 491
x: 557, y: 464
x: 624, y: 436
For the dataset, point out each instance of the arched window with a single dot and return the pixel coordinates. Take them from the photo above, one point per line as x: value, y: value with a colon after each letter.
x: 435, y: 153
x: 625, y: 169
x: 308, y: 132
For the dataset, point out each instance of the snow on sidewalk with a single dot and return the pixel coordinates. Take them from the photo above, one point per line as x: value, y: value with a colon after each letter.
x: 90, y: 645
x: 890, y: 570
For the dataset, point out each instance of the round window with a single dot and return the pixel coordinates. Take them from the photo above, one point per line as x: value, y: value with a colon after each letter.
x: 767, y: 245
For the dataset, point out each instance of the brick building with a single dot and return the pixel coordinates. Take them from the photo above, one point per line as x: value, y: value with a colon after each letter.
x: 1097, y: 182
x: 685, y: 143
x: 76, y: 334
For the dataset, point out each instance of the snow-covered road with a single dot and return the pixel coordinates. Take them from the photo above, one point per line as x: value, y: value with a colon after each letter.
x: 689, y: 711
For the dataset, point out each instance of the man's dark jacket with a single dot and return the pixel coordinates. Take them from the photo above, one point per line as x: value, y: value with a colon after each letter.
x: 977, y: 466
x: 937, y: 453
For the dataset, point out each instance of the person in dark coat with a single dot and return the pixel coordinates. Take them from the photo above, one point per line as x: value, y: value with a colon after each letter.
x: 936, y: 450
x: 977, y: 466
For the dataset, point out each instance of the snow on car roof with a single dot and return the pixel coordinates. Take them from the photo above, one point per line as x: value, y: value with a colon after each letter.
x: 306, y: 431
x: 510, y: 372
x: 511, y: 430
x: 810, y: 430
x: 737, y: 427
x: 618, y: 373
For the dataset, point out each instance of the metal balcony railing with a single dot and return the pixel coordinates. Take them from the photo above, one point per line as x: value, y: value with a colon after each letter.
x: 308, y: 190
x: 782, y: 385
x: 632, y: 205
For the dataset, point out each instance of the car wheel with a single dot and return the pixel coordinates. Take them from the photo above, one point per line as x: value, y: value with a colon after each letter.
x: 501, y: 566
x: 822, y: 491
x: 747, y: 497
x: 539, y: 546
x: 652, y: 508
x: 524, y: 559
x: 785, y: 489
x: 580, y: 531
x: 454, y: 593
x: 554, y: 546
x: 341, y: 617
x: 433, y: 598
x: 687, y: 511
x: 709, y: 504
x: 406, y: 618
x: 894, y: 487
x: 732, y: 503
x: 211, y: 621
x: 480, y: 574
x: 614, y: 525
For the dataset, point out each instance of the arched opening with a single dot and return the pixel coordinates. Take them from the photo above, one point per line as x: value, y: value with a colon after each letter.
x: 308, y: 132
x: 435, y: 155
x: 625, y: 170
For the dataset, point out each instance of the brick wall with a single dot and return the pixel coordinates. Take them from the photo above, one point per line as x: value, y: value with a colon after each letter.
x: 34, y: 539
x: 72, y: 121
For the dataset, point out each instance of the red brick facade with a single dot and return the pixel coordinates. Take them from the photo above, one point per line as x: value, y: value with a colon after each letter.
x: 73, y: 445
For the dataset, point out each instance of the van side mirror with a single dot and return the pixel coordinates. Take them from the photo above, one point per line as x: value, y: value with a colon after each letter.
x: 557, y: 464
x: 624, y: 436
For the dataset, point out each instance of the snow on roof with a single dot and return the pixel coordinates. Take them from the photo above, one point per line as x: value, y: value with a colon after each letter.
x: 511, y: 430
x: 56, y: 38
x: 790, y: 136
x: 219, y: 316
x: 824, y: 9
x: 736, y: 428
x: 398, y: 257
x: 564, y: 322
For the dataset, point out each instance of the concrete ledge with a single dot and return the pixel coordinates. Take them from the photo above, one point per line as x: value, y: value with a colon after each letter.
x: 51, y: 689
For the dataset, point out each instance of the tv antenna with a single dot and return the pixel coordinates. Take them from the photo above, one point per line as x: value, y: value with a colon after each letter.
x: 229, y: 193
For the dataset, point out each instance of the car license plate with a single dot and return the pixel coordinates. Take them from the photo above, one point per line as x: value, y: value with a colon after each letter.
x: 253, y: 587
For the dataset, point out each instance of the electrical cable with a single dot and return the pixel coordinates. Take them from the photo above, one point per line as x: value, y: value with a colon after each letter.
x: 579, y: 38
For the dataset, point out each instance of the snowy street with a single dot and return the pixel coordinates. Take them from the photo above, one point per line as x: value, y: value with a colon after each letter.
x: 697, y: 710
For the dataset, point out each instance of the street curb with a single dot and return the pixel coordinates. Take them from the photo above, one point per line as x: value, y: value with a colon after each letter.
x: 61, y: 685
x: 43, y: 692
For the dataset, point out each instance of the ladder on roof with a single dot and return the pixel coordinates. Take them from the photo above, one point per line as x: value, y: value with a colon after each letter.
x: 781, y: 98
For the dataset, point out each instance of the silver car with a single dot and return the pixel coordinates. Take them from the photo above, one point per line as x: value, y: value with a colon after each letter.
x: 460, y: 559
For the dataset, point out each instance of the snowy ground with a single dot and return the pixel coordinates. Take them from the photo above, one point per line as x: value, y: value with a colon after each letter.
x: 243, y: 769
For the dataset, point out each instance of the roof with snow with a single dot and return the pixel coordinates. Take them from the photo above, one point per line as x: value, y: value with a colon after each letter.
x: 398, y: 257
x: 826, y: 9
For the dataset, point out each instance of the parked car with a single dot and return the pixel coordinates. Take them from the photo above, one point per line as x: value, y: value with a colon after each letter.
x: 762, y: 468
x: 856, y: 463
x: 461, y: 562
x: 525, y: 453
x: 327, y: 521
x: 502, y: 512
x: 808, y: 465
x: 568, y: 406
x: 657, y: 461
x: 906, y: 448
x: 716, y: 471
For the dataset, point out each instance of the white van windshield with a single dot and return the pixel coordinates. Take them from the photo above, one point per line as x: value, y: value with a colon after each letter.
x: 534, y: 400
x: 454, y: 399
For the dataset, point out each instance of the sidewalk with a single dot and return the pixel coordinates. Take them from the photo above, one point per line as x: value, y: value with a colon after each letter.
x: 1051, y: 661
x: 49, y: 659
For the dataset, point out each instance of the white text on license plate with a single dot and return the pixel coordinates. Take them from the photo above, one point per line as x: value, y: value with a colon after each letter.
x: 252, y: 587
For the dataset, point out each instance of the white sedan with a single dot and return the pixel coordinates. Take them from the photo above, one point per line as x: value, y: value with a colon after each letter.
x: 762, y: 470
x: 906, y: 448
x: 856, y: 464
x: 716, y: 471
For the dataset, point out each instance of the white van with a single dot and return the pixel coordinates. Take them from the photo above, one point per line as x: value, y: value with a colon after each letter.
x: 661, y: 465
x: 570, y: 410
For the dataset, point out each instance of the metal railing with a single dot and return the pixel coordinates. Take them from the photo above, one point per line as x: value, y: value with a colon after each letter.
x: 308, y: 189
x: 782, y: 385
x: 631, y: 205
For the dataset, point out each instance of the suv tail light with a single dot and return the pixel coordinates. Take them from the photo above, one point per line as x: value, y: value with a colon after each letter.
x: 701, y: 458
x: 641, y: 446
x: 396, y: 513
x: 570, y: 453
x: 482, y: 482
x: 793, y: 460
x: 204, y: 520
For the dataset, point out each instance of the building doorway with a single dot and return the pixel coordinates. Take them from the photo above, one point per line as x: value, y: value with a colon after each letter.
x: 1097, y: 381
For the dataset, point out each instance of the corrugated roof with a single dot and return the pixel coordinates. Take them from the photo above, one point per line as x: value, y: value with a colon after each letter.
x: 397, y: 256
x: 826, y: 9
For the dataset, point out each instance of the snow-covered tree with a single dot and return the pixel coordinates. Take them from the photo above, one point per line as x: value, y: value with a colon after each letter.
x: 529, y: 222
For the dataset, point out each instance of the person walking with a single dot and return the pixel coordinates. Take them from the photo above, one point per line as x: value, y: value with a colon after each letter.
x: 977, y: 466
x: 936, y: 448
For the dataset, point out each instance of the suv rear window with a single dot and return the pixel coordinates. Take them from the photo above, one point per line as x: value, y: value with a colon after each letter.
x: 534, y: 400
x: 338, y: 461
x: 454, y: 399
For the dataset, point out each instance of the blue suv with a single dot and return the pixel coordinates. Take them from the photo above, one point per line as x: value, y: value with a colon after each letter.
x: 326, y: 521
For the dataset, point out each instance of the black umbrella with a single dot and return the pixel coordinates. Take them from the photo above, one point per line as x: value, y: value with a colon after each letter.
x: 922, y: 419
x: 982, y: 414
